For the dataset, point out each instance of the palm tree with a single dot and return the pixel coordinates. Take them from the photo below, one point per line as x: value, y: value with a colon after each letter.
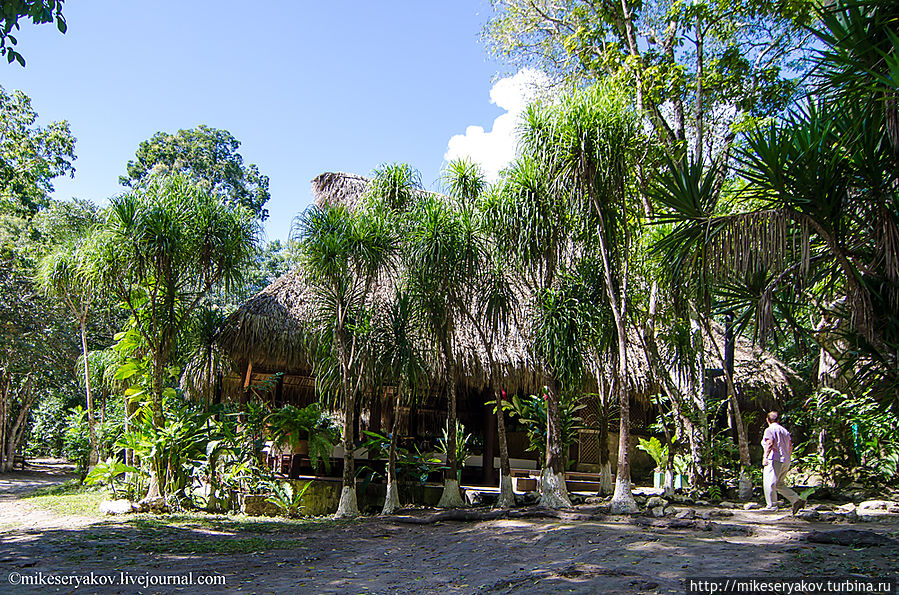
x: 577, y: 156
x: 342, y: 253
x: 441, y: 255
x: 163, y: 249
x: 492, y: 302
x: 398, y: 346
x: 63, y: 273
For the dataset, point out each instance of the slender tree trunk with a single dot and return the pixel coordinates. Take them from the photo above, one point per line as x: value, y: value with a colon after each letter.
x: 92, y: 430
x: 700, y: 115
x: 554, y: 492
x: 605, y: 464
x: 392, y: 499
x: 451, y: 497
x: 745, y: 487
x: 506, y: 493
x: 623, y: 499
x: 4, y: 408
x: 348, y: 506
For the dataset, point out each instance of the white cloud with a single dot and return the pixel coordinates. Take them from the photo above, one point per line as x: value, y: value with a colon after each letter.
x: 494, y: 150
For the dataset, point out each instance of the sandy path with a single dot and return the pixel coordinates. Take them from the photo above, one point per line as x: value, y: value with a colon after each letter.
x: 612, y: 555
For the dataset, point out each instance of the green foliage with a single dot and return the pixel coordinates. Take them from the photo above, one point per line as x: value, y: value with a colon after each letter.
x: 530, y: 412
x: 39, y: 11
x: 412, y: 465
x: 106, y: 472
x: 857, y: 432
x: 460, y: 447
x: 209, y: 158
x: 658, y: 451
x: 165, y: 246
x: 292, y: 425
x: 715, y: 65
x: 30, y: 155
x: 287, y: 498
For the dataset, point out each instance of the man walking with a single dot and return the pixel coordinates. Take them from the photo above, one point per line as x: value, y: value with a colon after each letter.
x: 777, y: 447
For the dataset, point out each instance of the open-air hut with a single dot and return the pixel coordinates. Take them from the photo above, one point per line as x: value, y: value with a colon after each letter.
x: 264, y: 340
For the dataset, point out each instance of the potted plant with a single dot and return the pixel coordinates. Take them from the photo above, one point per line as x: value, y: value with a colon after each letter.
x: 659, y: 453
x: 308, y: 431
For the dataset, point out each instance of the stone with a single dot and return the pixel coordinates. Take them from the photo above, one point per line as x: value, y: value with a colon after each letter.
x: 114, y: 507
x: 850, y: 537
x: 655, y: 502
x: 726, y: 504
x: 702, y: 503
x: 658, y: 511
x: 865, y: 518
x: 808, y: 515
x: 850, y: 516
x: 705, y: 515
x: 876, y: 506
x: 721, y: 513
x: 828, y: 516
x: 155, y: 505
x: 685, y: 513
x: 595, y: 500
x: 681, y: 524
x: 850, y: 507
x: 751, y: 506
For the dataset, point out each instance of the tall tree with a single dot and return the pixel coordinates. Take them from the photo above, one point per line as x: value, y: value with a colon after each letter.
x: 441, y: 255
x: 342, y: 253
x: 585, y: 144
x: 491, y: 302
x: 700, y: 71
x: 819, y: 222
x: 209, y: 157
x: 30, y: 155
x: 165, y: 246
x: 65, y: 273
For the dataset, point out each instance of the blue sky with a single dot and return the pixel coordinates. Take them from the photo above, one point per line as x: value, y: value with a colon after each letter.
x: 306, y: 87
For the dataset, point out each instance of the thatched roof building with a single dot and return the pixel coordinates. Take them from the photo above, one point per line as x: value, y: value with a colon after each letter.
x: 264, y: 336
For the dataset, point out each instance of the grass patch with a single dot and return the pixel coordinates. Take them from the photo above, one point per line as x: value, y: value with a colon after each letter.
x: 68, y: 499
x: 240, y: 523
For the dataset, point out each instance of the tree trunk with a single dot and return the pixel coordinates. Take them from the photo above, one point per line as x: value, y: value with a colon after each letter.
x: 92, y: 431
x: 605, y: 463
x: 392, y: 500
x: 506, y: 493
x: 623, y: 499
x: 451, y: 497
x: 348, y: 507
x: 554, y: 492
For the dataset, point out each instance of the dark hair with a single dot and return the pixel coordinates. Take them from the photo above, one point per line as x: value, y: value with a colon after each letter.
x: 772, y: 417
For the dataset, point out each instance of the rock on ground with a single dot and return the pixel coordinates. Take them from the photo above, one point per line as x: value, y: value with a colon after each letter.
x: 116, y: 507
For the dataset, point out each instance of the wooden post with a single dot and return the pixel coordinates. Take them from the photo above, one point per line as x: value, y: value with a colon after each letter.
x: 245, y: 394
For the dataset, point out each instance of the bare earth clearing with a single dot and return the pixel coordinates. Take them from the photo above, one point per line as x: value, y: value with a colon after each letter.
x: 606, y: 554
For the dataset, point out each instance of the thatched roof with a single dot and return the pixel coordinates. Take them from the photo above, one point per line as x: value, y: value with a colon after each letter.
x: 268, y: 330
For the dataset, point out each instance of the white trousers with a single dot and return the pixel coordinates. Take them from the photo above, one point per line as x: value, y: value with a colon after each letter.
x: 774, y: 474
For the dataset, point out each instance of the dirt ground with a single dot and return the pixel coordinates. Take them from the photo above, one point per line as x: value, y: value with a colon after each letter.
x: 606, y: 554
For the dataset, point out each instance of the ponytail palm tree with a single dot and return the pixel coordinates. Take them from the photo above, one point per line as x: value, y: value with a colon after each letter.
x: 397, y: 343
x: 342, y: 253
x: 442, y: 255
x: 64, y: 273
x: 492, y: 303
x: 573, y: 184
x: 163, y: 249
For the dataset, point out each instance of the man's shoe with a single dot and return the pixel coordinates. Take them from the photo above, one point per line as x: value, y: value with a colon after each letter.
x: 798, y: 505
x: 769, y: 509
